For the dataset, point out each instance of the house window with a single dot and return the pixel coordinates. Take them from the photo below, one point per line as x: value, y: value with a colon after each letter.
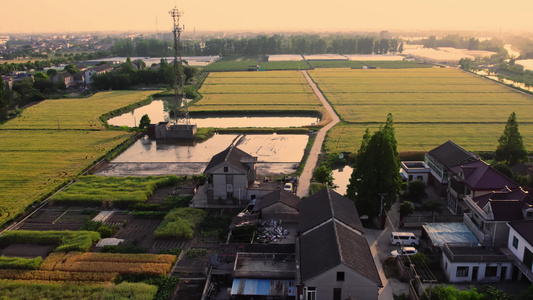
x: 515, y: 242
x: 491, y: 271
x: 462, y: 272
x: 420, y: 178
x: 225, y: 169
x: 529, y: 213
x: 310, y: 293
x: 340, y: 276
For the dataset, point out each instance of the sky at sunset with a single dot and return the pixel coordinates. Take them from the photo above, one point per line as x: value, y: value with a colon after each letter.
x: 273, y: 15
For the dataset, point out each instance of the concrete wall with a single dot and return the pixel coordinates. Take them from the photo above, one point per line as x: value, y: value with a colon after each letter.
x: 354, y: 284
x: 450, y: 269
x: 522, y: 244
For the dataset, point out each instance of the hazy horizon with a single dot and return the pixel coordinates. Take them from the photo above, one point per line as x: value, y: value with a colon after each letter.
x: 274, y: 16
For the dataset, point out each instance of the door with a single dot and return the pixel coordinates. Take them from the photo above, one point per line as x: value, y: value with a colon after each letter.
x: 337, y: 293
x: 503, y: 273
x: 474, y: 273
x: 528, y: 258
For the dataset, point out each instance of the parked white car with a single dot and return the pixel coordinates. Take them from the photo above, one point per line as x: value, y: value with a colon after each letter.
x: 404, y: 251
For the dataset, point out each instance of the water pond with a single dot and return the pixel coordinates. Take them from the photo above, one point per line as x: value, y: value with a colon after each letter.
x: 158, y: 110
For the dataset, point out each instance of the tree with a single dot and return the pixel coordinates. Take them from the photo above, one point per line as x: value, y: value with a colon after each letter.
x: 416, y: 190
x: 323, y: 175
x: 511, y: 148
x: 406, y: 208
x: 145, y: 121
x: 71, y: 69
x: 51, y: 72
x: 40, y: 76
x: 5, y: 100
x: 504, y: 169
x: 376, y: 171
x: 443, y: 292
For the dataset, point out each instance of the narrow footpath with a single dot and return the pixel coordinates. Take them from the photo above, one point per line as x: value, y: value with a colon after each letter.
x: 307, y: 173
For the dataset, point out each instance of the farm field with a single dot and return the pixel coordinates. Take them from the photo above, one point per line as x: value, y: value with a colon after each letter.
x: 429, y: 106
x: 39, y: 155
x: 354, y: 64
x: 80, y: 113
x: 254, y: 91
x: 243, y: 63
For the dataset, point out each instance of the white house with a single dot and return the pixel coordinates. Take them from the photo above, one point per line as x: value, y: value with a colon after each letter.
x: 229, y: 174
x: 520, y: 244
x: 101, y: 69
x: 464, y: 262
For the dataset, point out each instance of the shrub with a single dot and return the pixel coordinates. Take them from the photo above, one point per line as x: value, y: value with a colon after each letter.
x: 20, y: 263
x: 195, y: 253
x: 65, y: 240
x: 180, y: 223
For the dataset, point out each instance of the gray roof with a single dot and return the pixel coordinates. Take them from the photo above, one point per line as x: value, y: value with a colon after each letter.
x: 232, y: 155
x: 334, y: 244
x: 450, y: 154
x: 282, y: 196
x: 102, y: 67
x: 327, y: 204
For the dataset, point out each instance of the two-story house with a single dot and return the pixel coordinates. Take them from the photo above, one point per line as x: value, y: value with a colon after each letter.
x: 229, y: 174
x: 471, y: 180
x: 101, y: 69
x: 441, y: 159
x: 334, y: 256
x: 490, y: 213
x: 64, y: 77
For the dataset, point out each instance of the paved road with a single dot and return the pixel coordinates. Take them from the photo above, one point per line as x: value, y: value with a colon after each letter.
x: 307, y: 173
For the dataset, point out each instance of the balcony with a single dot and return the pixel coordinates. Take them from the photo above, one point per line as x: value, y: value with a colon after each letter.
x: 483, y: 238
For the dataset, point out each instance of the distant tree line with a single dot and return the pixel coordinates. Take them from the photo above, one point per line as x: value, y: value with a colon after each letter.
x: 460, y: 42
x: 126, y: 77
x: 260, y: 45
x: 298, y: 44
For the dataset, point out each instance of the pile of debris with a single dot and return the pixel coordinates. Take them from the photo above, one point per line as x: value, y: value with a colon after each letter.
x: 271, y: 231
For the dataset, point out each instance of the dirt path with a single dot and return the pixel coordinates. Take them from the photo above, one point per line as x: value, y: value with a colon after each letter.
x: 307, y: 174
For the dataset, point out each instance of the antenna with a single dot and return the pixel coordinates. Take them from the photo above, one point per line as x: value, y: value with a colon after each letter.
x: 179, y: 80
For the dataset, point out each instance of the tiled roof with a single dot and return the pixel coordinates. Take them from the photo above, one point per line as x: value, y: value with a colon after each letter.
x: 101, y: 68
x: 450, y: 154
x: 232, y: 155
x: 331, y: 245
x: 479, y: 175
x: 327, y: 204
x: 506, y: 205
x: 282, y: 196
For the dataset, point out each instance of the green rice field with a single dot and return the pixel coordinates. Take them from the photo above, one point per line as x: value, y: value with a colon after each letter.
x: 37, y: 156
x: 243, y: 63
x: 429, y: 106
x: 255, y: 91
x: 76, y: 113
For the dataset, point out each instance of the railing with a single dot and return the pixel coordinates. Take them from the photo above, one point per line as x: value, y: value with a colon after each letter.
x: 523, y: 268
x: 483, y: 238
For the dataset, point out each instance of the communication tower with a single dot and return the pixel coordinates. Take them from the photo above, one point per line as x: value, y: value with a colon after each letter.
x: 180, y: 116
